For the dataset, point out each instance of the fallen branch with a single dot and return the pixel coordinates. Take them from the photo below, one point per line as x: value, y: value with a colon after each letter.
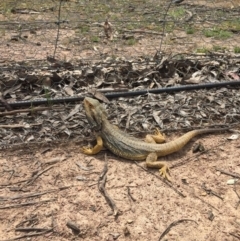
x: 210, y: 205
x: 5, y: 104
x: 31, y: 195
x: 235, y: 235
x: 210, y: 191
x: 130, y: 195
x: 228, y: 173
x: 23, y: 229
x: 157, y: 176
x: 31, y: 180
x: 191, y: 158
x: 174, y: 224
x: 29, y: 235
x: 27, y: 204
x: 101, y: 186
x: 19, y: 126
x: 32, y: 110
x: 11, y: 183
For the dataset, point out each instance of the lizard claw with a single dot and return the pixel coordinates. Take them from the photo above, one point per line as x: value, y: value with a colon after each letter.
x: 87, y: 150
x: 165, y: 173
x: 157, y: 132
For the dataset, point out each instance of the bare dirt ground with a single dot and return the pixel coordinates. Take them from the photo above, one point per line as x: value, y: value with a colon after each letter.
x: 46, y: 188
x: 54, y: 191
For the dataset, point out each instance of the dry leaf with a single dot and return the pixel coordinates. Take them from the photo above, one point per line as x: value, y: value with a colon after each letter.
x: 68, y: 90
x: 233, y: 137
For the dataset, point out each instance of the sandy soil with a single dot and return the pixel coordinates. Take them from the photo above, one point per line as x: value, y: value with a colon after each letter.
x: 64, y: 192
x: 42, y: 188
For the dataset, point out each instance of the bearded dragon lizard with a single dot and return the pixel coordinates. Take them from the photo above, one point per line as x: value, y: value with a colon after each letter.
x: 126, y: 146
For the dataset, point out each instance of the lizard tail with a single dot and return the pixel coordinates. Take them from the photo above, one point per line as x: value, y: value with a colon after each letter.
x: 174, y: 146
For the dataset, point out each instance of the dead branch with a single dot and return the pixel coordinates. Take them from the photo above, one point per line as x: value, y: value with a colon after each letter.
x: 29, y: 235
x: 19, y: 126
x: 130, y: 195
x: 228, y: 173
x: 101, y: 186
x: 32, y: 110
x: 191, y: 158
x: 157, y: 176
x: 210, y: 191
x: 27, y: 204
x: 235, y: 235
x: 23, y: 229
x: 4, y: 102
x: 174, y: 224
x: 74, y: 227
x: 31, y: 195
x: 31, y: 180
x: 206, y: 203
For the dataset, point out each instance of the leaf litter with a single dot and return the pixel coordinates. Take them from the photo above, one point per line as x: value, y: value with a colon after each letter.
x: 77, y: 198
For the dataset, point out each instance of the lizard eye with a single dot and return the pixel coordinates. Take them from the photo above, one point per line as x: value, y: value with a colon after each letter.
x: 90, y: 105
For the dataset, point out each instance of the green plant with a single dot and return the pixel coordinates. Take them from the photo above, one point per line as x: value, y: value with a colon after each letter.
x: 237, y: 50
x: 177, y: 12
x: 83, y: 28
x: 217, y: 33
x: 231, y: 24
x: 217, y: 48
x: 131, y: 41
x: 203, y: 50
x: 190, y: 30
x: 95, y: 39
x: 47, y: 95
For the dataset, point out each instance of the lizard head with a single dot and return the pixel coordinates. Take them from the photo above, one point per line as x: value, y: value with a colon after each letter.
x: 95, y: 112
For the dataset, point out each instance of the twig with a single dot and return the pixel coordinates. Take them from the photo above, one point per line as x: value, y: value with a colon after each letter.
x: 101, y: 186
x: 191, y: 158
x: 31, y: 195
x: 234, y: 189
x: 33, y: 220
x: 26, y: 204
x: 164, y: 25
x: 157, y: 176
x: 27, y: 196
x: 74, y: 227
x: 83, y: 167
x: 6, y: 105
x: 174, y: 224
x: 96, y: 183
x: 130, y: 195
x: 31, y: 180
x: 23, y: 229
x: 210, y: 191
x: 9, y: 184
x: 206, y: 203
x: 29, y: 235
x: 32, y: 110
x: 19, y: 126
x: 235, y: 235
x: 58, y: 27
x: 228, y: 173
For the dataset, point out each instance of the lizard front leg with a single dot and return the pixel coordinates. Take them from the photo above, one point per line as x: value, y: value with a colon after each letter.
x: 151, y: 161
x: 97, y: 148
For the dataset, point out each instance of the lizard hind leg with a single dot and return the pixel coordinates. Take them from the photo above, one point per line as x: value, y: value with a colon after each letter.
x: 157, y: 137
x: 97, y: 148
x: 151, y: 161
